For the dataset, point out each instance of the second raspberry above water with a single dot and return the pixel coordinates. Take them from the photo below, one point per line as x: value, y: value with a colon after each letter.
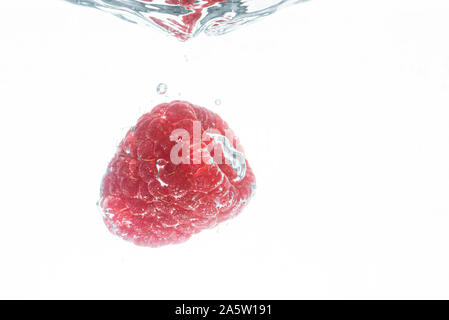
x: 178, y: 171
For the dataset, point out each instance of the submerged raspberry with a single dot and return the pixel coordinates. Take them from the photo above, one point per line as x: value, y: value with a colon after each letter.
x: 178, y: 171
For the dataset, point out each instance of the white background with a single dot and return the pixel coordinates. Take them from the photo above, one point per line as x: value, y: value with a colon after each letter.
x: 342, y: 107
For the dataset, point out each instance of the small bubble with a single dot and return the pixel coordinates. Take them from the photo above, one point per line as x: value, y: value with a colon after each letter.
x: 161, y: 88
x: 217, y: 102
x: 253, y: 189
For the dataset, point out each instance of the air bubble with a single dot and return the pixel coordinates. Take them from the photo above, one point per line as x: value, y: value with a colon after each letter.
x: 218, y: 102
x: 162, y: 88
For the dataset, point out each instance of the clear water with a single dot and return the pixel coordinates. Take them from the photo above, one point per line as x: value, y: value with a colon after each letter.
x: 187, y: 18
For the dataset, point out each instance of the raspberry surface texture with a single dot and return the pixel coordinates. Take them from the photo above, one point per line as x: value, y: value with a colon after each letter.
x: 178, y: 171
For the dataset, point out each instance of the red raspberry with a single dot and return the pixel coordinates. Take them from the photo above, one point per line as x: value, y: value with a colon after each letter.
x: 184, y: 28
x: 150, y: 197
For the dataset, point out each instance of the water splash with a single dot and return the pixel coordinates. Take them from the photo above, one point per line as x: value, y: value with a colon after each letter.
x: 236, y: 158
x: 187, y: 18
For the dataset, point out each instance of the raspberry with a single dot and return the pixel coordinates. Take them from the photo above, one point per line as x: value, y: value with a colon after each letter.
x: 183, y: 29
x: 178, y: 171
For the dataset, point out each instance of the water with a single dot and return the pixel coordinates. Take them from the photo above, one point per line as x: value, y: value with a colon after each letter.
x: 235, y: 158
x: 161, y: 88
x: 187, y: 18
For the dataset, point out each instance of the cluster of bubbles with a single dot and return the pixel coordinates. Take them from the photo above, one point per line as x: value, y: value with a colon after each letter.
x: 162, y: 89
